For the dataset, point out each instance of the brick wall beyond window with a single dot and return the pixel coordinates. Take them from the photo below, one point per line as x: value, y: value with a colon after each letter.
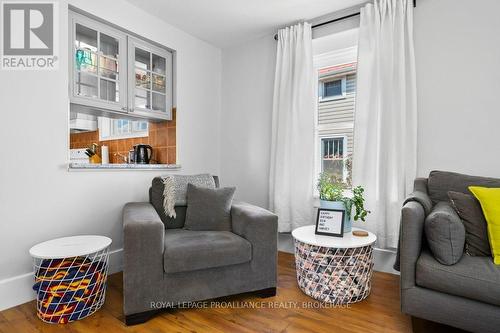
x: 161, y: 138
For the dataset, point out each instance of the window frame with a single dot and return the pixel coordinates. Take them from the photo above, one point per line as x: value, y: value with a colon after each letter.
x: 343, y: 137
x: 343, y: 85
x: 110, y: 123
x: 332, y: 58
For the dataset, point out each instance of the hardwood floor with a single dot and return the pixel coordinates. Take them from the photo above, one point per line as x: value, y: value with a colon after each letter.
x: 378, y: 313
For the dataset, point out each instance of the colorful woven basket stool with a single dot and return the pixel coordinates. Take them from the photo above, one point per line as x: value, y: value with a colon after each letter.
x: 70, y: 277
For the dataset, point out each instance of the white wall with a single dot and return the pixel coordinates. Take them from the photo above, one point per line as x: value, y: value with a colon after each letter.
x: 247, y: 90
x: 458, y: 80
x: 39, y: 198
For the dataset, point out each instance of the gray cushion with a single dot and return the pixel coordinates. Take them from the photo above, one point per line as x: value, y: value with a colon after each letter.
x: 445, y: 233
x: 209, y: 209
x: 187, y: 250
x: 476, y: 228
x: 440, y: 182
x: 156, y: 199
x: 475, y: 278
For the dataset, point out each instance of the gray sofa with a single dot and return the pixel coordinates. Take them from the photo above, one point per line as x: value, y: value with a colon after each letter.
x: 165, y: 265
x: 465, y: 295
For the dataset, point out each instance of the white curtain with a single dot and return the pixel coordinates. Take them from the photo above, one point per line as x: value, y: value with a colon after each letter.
x: 385, y: 138
x: 292, y: 152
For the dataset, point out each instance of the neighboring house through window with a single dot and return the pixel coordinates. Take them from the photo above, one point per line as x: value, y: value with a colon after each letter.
x: 113, y: 129
x: 335, y: 116
x: 332, y: 88
x: 332, y: 156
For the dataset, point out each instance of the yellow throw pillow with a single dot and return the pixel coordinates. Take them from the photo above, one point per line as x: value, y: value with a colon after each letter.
x: 490, y: 203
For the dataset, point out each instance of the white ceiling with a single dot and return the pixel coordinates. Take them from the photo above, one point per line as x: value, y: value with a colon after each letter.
x: 225, y: 23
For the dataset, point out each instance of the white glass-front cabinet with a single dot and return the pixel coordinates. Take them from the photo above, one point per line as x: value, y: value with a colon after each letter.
x: 98, y: 68
x: 111, y: 71
x: 150, y: 86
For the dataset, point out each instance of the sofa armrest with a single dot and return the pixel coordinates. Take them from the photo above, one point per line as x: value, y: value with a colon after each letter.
x: 412, y: 231
x: 420, y: 184
x: 143, y: 244
x: 260, y: 227
x: 420, y: 195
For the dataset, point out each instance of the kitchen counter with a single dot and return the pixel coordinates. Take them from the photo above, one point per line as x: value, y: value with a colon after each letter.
x: 82, y: 166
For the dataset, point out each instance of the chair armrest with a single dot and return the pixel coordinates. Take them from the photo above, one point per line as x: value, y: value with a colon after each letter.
x: 260, y: 227
x: 412, y: 230
x: 143, y: 244
x: 257, y: 225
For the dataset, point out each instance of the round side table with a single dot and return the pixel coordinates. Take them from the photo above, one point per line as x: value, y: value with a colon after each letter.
x: 70, y: 277
x: 336, y: 270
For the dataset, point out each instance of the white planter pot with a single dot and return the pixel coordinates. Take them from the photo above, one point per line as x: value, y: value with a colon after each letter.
x: 338, y: 205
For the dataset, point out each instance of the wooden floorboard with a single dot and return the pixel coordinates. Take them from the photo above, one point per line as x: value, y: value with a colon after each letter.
x: 380, y: 312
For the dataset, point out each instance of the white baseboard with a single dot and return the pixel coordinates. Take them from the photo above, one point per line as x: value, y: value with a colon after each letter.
x: 18, y: 289
x: 115, y: 261
x: 384, y: 260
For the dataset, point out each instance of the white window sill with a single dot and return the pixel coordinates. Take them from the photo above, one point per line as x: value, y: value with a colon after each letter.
x: 124, y: 136
x: 334, y: 98
x: 121, y: 166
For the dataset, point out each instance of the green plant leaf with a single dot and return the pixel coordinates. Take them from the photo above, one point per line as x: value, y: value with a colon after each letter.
x: 331, y: 188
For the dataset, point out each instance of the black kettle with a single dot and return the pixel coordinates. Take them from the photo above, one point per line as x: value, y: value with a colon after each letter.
x: 142, y: 154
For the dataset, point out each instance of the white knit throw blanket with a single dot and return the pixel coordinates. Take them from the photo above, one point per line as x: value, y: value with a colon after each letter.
x: 175, y: 189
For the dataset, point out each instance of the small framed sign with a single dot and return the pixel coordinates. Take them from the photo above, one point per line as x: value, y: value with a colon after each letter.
x: 330, y: 222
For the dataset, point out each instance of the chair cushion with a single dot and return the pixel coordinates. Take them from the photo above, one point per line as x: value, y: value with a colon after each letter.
x: 440, y: 182
x: 209, y: 209
x: 188, y: 250
x: 476, y: 232
x: 445, y: 233
x: 475, y: 278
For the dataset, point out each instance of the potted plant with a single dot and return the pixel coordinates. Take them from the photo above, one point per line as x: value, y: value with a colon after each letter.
x: 335, y: 194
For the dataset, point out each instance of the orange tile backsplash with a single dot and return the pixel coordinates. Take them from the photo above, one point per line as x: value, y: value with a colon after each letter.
x: 161, y: 138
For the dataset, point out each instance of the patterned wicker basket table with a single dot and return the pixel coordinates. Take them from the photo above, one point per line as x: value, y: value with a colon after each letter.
x: 336, y: 270
x: 70, y: 277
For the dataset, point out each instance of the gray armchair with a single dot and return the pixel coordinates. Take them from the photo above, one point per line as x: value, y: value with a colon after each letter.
x: 165, y: 265
x: 464, y: 295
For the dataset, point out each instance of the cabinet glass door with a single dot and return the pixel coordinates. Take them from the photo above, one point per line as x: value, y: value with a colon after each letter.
x: 97, y: 62
x: 86, y: 62
x: 152, y: 79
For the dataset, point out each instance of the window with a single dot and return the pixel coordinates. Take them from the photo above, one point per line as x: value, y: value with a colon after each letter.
x: 334, y: 116
x: 113, y: 129
x: 332, y: 156
x: 331, y: 89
